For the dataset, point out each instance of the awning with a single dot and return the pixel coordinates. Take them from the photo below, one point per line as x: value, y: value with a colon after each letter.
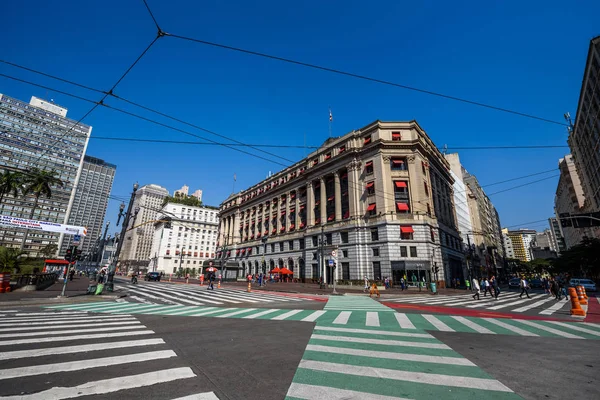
x: 315, y: 162
x: 292, y: 210
x: 342, y: 149
x: 274, y: 230
x: 402, y: 206
x: 396, y: 136
x: 292, y: 226
x: 330, y: 198
x: 346, y: 215
x: 331, y: 217
x: 228, y: 253
x: 236, y: 252
x: 369, y: 164
x: 406, y: 229
x: 302, y: 207
x: 367, y: 140
x: 370, y: 184
x: 345, y: 175
x: 371, y: 207
x: 301, y: 225
x: 327, y: 156
x: 397, y: 162
x: 243, y: 251
x: 283, y: 212
x: 400, y: 184
x: 282, y: 229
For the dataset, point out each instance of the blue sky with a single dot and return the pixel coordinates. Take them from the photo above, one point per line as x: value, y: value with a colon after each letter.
x: 526, y: 55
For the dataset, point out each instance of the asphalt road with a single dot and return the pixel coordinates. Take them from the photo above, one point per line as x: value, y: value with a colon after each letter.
x: 535, y: 368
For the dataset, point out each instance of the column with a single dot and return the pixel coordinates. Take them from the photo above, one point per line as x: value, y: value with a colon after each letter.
x: 227, y: 230
x: 297, y: 207
x: 288, y: 200
x: 338, y: 196
x: 278, y: 215
x: 323, y: 201
x: 310, y: 204
x: 236, y: 229
x: 221, y: 232
x: 354, y: 189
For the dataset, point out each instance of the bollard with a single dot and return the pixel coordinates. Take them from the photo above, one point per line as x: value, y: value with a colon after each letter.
x: 249, y: 287
x: 170, y: 277
x: 580, y: 296
x: 575, y: 306
x: 219, y: 285
x: 584, y: 293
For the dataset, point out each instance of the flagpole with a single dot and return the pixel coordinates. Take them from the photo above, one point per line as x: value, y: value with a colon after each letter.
x: 330, y: 121
x: 233, y: 188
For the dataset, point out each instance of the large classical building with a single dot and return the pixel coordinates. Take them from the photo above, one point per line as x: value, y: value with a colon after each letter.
x: 377, y: 201
x: 147, y: 205
x: 584, y: 138
x: 185, y: 238
x: 39, y: 135
x: 91, y: 200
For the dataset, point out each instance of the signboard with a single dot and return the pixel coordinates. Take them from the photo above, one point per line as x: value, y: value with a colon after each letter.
x: 331, y: 263
x: 76, y: 239
x: 42, y: 225
x: 333, y: 253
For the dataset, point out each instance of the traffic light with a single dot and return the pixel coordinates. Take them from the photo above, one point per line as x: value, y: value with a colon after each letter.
x: 77, y: 255
x: 69, y: 254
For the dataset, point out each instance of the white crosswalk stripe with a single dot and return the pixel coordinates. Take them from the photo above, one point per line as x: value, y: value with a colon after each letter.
x: 37, y: 341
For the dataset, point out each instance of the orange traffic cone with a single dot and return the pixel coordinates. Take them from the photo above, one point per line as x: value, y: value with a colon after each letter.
x: 219, y: 285
x: 584, y: 293
x: 249, y: 287
x: 580, y: 296
x: 575, y: 306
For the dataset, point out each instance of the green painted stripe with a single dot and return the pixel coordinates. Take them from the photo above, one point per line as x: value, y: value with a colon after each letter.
x: 379, y: 347
x: 421, y: 323
x: 301, y: 315
x: 492, y: 327
x: 390, y: 387
x: 162, y: 310
x: 568, y: 330
x: 531, y: 329
x: 454, y: 324
x: 78, y: 306
x: 413, y: 366
x: 376, y: 336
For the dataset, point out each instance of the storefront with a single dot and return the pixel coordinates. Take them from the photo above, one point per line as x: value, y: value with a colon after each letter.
x: 411, y: 271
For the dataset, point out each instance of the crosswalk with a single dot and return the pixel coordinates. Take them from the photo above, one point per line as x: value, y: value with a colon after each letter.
x: 358, y: 318
x: 387, y: 363
x: 72, y: 354
x: 542, y: 304
x: 195, y: 295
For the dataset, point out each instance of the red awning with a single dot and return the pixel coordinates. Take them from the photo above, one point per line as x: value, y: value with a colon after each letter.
x: 283, y: 212
x: 397, y: 162
x: 402, y: 206
x: 396, y: 135
x: 301, y: 225
x: 330, y: 198
x: 370, y: 184
x: 302, y: 207
x: 371, y: 207
x: 342, y: 149
x: 369, y: 164
x: 331, y: 217
x: 292, y: 226
x: 282, y: 228
x: 243, y: 251
x: 292, y: 210
x: 406, y: 229
x: 367, y: 140
x: 346, y: 215
x: 327, y: 156
x: 400, y: 184
x: 236, y: 252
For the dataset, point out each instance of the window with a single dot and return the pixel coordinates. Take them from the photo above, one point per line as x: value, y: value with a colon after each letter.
x: 301, y: 244
x: 344, y: 237
x: 314, y: 255
x: 432, y: 234
x: 398, y: 164
x: 327, y: 156
x: 426, y: 187
x: 406, y: 232
x: 346, y: 271
x: 375, y: 251
x: 291, y: 244
x: 342, y: 149
x: 175, y: 261
x: 376, y: 270
x: 315, y: 241
x: 402, y: 208
x: 369, y: 168
x: 403, y: 251
x: 374, y: 234
x: 281, y: 246
x: 372, y: 209
x: 413, y: 251
x: 396, y: 136
x: 272, y: 247
x: 424, y: 167
x: 329, y: 238
x: 315, y: 271
x: 345, y: 253
x: 367, y: 140
x: 370, y: 188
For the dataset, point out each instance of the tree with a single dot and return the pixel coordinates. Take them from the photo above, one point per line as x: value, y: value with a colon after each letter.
x: 10, y: 183
x: 10, y: 259
x: 39, y: 183
x: 580, y: 260
x: 49, y: 250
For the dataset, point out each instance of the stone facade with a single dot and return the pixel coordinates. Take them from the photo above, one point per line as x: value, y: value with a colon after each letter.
x: 380, y: 196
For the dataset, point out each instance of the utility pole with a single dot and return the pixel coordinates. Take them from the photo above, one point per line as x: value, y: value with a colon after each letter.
x: 322, y: 260
x: 102, y: 244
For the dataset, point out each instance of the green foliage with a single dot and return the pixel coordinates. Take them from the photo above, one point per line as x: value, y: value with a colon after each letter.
x: 180, y: 199
x: 10, y: 183
x: 49, y: 250
x: 39, y: 182
x: 580, y: 260
x: 10, y: 259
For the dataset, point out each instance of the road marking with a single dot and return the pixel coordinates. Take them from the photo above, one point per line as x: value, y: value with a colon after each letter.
x: 439, y: 325
x: 313, y: 392
x: 180, y: 298
x: 149, y: 295
x: 84, y: 364
x: 286, y: 315
x: 575, y: 327
x: 313, y: 317
x: 200, y: 396
x: 75, y: 337
x: 231, y: 314
x: 11, y: 355
x: 532, y: 305
x: 342, y: 318
x: 552, y: 309
x: 514, y: 303
x: 196, y: 313
x: 260, y: 314
x: 48, y: 313
x: 473, y: 325
x: 548, y: 329
x: 391, y: 355
x: 510, y: 327
x: 373, y: 332
x: 372, y: 319
x: 90, y: 330
x: 380, y: 341
x: 109, y: 385
x: 86, y: 325
x: 420, y: 377
x: 403, y: 321
x: 62, y: 322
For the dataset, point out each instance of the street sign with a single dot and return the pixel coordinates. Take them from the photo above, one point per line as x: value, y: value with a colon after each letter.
x: 331, y: 263
x: 76, y: 239
x: 333, y: 253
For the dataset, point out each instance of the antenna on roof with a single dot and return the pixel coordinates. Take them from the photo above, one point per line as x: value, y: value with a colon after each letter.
x: 445, y: 149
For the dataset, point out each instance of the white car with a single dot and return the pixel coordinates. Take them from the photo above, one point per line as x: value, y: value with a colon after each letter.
x: 588, y: 284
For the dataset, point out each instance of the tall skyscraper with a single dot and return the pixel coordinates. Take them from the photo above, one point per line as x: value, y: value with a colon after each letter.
x: 556, y: 235
x: 137, y: 243
x: 522, y: 241
x: 584, y: 139
x: 91, y: 200
x: 40, y: 135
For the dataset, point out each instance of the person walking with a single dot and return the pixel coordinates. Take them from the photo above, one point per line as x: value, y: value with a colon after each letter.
x: 494, y: 285
x: 485, y: 286
x: 402, y: 283
x: 476, y: 288
x: 524, y: 285
x: 366, y: 281
x: 468, y: 284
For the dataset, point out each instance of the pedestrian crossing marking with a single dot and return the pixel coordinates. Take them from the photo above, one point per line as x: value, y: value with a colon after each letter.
x: 476, y: 327
x: 342, y: 318
x: 548, y: 329
x: 313, y: 317
x: 510, y: 327
x: 372, y: 319
x: 314, y: 392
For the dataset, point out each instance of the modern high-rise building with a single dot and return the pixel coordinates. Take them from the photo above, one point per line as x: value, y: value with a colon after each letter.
x: 91, y: 201
x: 461, y: 199
x: 584, y: 138
x: 570, y: 198
x: 184, y: 192
x: 187, y: 241
x: 522, y: 242
x: 137, y: 245
x: 508, y: 248
x: 379, y: 200
x: 39, y: 135
x: 556, y: 235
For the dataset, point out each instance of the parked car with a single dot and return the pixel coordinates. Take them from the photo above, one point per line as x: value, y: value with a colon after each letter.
x: 152, y: 276
x: 588, y: 284
x: 514, y: 283
x: 536, y: 284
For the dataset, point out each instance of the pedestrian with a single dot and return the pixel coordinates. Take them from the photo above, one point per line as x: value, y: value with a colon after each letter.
x: 374, y: 290
x: 386, y: 282
x: 494, y: 284
x: 414, y: 279
x: 366, y: 284
x: 476, y: 288
x: 554, y: 289
x: 468, y: 284
x: 524, y: 285
x: 402, y: 283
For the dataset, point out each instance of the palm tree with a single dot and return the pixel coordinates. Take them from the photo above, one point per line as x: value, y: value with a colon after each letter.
x: 10, y: 259
x: 39, y: 183
x: 10, y: 183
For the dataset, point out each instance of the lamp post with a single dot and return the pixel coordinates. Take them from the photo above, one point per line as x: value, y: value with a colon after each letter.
x: 322, y: 259
x: 264, y: 242
x: 113, y: 265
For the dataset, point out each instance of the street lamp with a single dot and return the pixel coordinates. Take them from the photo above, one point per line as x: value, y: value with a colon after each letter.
x: 264, y: 242
x: 113, y: 265
x: 322, y: 259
